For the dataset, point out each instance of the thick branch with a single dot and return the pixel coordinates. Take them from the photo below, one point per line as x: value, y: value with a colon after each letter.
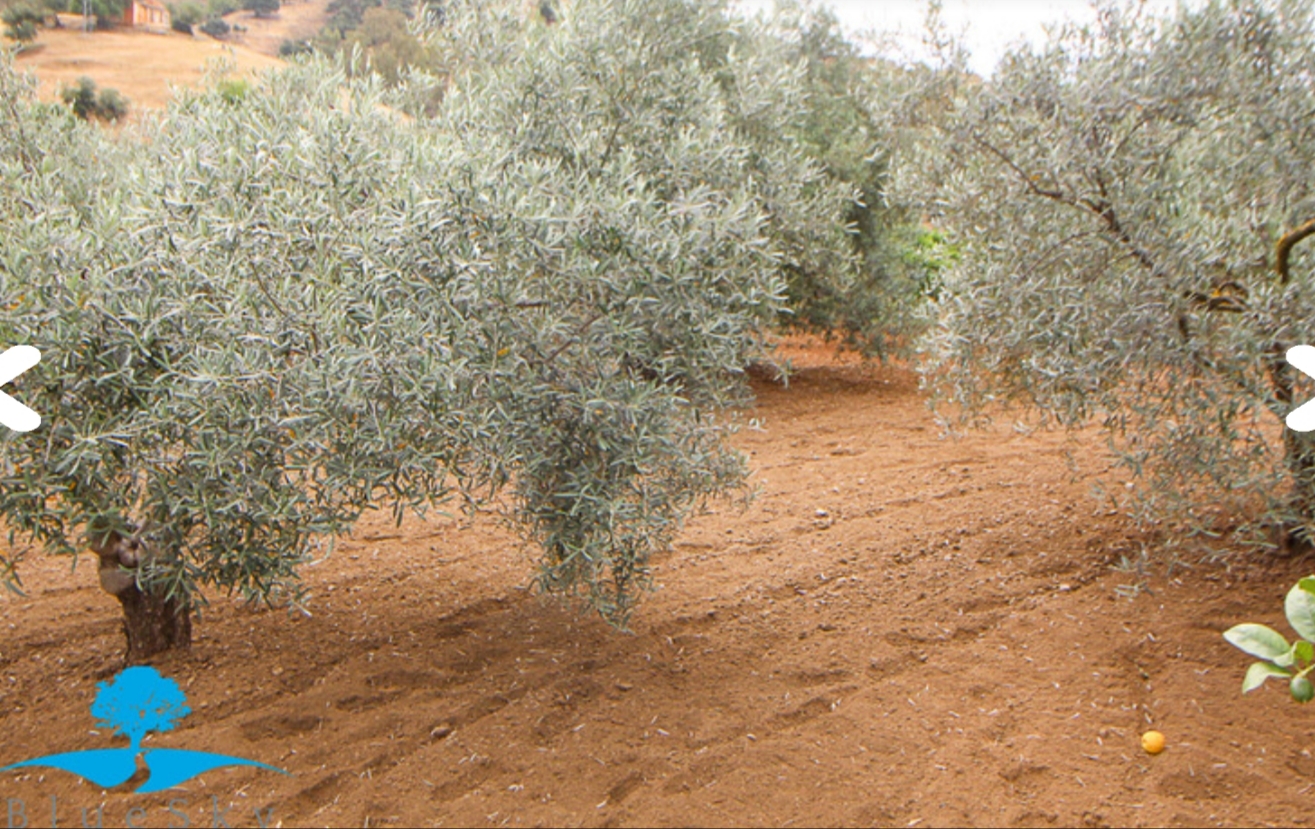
x: 1283, y: 250
x: 1055, y: 195
x: 1100, y: 207
x: 1103, y: 208
x: 1280, y: 373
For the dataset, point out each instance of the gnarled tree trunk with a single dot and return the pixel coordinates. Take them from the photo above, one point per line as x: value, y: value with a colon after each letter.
x: 151, y: 624
x: 1299, y: 448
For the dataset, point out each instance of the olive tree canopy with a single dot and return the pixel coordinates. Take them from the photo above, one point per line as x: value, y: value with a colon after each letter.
x: 1130, y: 197
x: 262, y: 315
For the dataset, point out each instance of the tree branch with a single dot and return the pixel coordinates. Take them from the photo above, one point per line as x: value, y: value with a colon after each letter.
x: 1101, y: 207
x: 1055, y: 195
x: 1283, y: 250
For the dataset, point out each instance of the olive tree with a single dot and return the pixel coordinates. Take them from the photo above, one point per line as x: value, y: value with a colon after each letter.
x: 848, y: 124
x: 262, y: 316
x: 796, y: 94
x: 646, y: 196
x: 220, y: 381
x: 1130, y: 197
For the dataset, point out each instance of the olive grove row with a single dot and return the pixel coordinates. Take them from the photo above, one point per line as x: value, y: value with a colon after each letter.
x: 537, y: 269
x: 542, y: 273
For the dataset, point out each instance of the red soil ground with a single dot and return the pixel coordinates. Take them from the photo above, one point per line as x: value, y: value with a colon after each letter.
x: 902, y: 630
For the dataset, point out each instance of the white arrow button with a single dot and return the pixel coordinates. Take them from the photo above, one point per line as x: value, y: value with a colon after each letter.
x: 1302, y: 418
x: 14, y: 362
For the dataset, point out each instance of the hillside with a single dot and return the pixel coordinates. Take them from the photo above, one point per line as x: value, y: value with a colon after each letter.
x: 143, y: 65
x: 296, y: 20
x: 140, y: 65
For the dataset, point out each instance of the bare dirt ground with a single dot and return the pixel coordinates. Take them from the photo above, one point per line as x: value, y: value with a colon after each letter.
x: 141, y: 65
x: 902, y: 630
x: 295, y: 20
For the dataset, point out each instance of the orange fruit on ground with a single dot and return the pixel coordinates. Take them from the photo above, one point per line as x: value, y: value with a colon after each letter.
x: 1152, y: 742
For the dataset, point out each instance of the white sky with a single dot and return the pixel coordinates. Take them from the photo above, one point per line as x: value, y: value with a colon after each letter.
x: 986, y: 26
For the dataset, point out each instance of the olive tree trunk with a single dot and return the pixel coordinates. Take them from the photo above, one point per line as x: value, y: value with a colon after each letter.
x: 151, y: 624
x: 1298, y: 448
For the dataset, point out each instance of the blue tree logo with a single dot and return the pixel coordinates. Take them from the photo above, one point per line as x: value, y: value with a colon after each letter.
x: 135, y: 703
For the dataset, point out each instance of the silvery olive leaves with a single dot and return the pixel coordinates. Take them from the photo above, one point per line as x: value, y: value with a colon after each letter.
x: 263, y: 315
x: 1123, y: 196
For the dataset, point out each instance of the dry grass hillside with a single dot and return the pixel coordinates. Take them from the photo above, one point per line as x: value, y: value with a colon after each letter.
x: 296, y: 20
x: 144, y: 65
x: 141, y: 65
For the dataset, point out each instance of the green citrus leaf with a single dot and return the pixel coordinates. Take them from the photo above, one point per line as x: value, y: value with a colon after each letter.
x: 1304, y: 651
x: 1307, y: 584
x: 1299, y: 607
x: 1258, y: 673
x: 1258, y: 640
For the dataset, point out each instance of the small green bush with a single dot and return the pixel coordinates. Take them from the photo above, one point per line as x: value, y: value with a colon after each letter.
x: 292, y: 48
x: 80, y: 97
x: 21, y: 22
x: 216, y: 27
x: 183, y: 16
x: 109, y: 105
x: 233, y: 90
x: 384, y: 38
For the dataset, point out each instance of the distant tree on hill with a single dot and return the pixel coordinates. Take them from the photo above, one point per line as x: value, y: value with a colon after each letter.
x: 106, y: 12
x: 49, y: 10
x: 290, y: 48
x: 262, y: 8
x: 383, y: 36
x: 21, y: 22
x: 219, y: 8
x: 183, y: 16
x: 109, y: 105
x: 216, y: 27
x: 345, y: 16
